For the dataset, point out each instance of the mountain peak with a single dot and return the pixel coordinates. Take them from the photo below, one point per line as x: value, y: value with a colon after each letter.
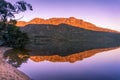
x: 72, y: 17
x: 70, y: 21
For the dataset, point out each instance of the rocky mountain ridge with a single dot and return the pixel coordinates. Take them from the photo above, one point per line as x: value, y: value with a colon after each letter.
x: 70, y: 21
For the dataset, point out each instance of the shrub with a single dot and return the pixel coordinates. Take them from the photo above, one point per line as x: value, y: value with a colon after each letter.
x: 15, y: 38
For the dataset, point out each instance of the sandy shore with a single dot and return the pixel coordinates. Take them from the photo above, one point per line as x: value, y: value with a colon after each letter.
x: 8, y: 72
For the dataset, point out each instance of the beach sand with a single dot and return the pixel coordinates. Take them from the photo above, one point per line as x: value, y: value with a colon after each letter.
x: 7, y: 71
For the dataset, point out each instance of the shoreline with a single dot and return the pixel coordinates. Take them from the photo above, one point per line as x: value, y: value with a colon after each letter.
x: 7, y: 71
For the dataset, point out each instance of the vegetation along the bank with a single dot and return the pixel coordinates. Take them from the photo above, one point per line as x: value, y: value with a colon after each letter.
x: 10, y: 35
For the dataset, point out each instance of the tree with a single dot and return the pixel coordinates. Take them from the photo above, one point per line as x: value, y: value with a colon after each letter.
x: 7, y: 9
x: 15, y: 38
x: 7, y: 17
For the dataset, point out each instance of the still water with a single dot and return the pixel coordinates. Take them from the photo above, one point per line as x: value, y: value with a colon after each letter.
x: 95, y: 64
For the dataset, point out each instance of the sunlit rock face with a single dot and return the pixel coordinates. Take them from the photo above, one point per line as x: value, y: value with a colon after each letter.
x: 8, y: 72
x: 70, y: 21
x: 21, y: 23
x: 71, y: 58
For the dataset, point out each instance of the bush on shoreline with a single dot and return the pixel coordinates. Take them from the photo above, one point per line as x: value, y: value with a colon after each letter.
x: 14, y: 37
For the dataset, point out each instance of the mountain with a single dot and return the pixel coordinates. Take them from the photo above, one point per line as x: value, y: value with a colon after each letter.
x: 63, y: 38
x: 70, y: 21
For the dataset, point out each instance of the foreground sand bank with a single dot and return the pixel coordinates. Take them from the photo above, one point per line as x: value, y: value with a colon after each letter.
x: 8, y: 72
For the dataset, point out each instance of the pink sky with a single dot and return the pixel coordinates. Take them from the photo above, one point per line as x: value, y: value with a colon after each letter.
x: 103, y: 13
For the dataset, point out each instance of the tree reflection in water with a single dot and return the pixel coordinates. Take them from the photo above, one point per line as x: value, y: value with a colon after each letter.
x: 16, y: 57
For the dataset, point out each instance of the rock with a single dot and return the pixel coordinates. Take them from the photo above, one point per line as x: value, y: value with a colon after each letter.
x: 70, y: 21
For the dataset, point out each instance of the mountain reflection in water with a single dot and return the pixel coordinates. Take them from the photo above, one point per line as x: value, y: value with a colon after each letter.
x: 16, y: 57
x: 45, y: 65
x: 70, y: 58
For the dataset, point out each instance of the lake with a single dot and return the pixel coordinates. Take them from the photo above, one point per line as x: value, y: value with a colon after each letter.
x: 95, y: 64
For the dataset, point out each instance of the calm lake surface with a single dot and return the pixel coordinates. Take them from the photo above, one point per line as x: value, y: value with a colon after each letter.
x: 97, y: 64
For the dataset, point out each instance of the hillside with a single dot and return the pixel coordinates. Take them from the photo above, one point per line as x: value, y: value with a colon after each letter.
x: 70, y: 21
x: 67, y: 39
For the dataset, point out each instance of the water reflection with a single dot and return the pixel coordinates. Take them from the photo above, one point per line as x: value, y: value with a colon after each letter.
x: 41, y: 65
x: 70, y: 58
x: 102, y: 66
x: 16, y: 57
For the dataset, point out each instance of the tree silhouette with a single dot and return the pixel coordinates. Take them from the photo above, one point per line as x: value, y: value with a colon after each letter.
x: 7, y: 9
x: 7, y: 16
